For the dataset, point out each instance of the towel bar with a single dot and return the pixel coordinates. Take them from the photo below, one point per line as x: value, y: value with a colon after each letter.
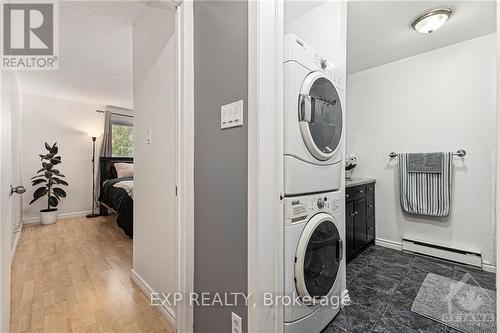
x: 459, y: 153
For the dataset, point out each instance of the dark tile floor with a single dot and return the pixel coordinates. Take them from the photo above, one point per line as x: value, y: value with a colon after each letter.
x: 382, y: 285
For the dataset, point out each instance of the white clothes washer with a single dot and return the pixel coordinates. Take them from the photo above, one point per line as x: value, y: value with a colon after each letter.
x: 314, y: 261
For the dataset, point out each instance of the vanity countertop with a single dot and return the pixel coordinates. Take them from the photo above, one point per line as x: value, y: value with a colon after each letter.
x: 358, y: 181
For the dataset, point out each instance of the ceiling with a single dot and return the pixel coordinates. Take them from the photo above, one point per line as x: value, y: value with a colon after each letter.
x: 95, y: 54
x: 95, y: 42
x: 379, y: 32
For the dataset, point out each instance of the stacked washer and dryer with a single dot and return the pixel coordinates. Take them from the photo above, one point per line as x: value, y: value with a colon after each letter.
x: 314, y: 221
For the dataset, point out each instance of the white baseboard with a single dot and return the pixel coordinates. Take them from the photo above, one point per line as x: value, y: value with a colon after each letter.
x: 398, y: 246
x: 35, y: 220
x: 16, y: 241
x: 489, y: 268
x: 166, y: 311
x: 455, y: 253
x: 389, y: 244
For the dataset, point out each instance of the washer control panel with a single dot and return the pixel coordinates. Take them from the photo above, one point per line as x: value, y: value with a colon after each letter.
x: 298, y: 209
x: 322, y: 202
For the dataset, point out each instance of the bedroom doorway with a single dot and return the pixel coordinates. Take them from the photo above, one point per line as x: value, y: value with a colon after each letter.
x: 142, y: 68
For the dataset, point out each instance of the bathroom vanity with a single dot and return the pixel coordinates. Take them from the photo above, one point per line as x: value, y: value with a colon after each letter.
x: 360, y: 214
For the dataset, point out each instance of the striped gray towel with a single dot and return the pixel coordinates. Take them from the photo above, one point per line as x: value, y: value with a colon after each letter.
x: 425, y: 193
x: 425, y: 162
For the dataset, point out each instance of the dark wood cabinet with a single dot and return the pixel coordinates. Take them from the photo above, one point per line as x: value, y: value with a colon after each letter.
x: 370, y: 229
x: 349, y: 228
x: 359, y: 223
x: 360, y: 217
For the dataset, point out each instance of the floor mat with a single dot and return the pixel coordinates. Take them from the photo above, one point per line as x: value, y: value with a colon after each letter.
x: 463, y: 304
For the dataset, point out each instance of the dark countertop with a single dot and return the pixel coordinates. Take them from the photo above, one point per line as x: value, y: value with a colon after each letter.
x: 358, y: 181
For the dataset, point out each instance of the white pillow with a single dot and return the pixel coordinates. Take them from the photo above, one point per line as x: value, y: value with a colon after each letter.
x: 124, y: 170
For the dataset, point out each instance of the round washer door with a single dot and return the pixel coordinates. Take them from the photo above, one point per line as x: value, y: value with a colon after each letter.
x: 320, y: 116
x: 318, y: 257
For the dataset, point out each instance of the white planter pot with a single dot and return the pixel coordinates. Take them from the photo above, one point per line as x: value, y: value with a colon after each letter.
x: 48, y: 216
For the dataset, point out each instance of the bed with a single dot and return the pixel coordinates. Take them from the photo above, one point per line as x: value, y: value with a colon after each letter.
x: 116, y: 194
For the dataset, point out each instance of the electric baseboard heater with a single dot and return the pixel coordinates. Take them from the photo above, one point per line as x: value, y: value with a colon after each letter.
x: 443, y: 252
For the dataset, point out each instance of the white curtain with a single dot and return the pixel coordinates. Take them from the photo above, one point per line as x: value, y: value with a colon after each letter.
x: 106, y: 147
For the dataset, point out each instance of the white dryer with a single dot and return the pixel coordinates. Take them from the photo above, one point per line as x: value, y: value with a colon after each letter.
x: 313, y: 120
x: 314, y: 261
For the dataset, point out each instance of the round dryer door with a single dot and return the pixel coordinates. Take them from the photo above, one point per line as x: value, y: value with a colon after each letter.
x: 320, y: 116
x: 318, y: 258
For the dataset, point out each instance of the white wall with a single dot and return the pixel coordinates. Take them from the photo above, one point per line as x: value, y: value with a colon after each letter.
x: 67, y: 123
x: 442, y: 100
x: 155, y: 232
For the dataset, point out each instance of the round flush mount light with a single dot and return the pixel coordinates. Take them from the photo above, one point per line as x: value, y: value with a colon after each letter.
x: 431, y: 20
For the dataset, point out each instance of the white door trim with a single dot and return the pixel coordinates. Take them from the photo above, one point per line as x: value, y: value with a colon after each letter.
x: 185, y: 170
x: 498, y: 170
x: 7, y: 132
x: 5, y: 257
x: 265, y: 151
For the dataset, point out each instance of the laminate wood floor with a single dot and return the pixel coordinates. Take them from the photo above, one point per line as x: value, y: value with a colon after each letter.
x: 73, y: 276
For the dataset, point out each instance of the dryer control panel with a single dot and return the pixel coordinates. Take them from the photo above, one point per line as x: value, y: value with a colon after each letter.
x: 325, y: 65
x: 301, y: 208
x: 296, y: 49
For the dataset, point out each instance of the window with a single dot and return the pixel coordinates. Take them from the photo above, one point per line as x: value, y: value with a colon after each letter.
x: 122, y: 140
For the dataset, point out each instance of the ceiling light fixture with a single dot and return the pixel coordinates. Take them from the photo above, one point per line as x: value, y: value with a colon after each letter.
x: 431, y: 20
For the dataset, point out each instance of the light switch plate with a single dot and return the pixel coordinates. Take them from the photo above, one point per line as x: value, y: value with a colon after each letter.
x: 231, y: 115
x: 148, y: 136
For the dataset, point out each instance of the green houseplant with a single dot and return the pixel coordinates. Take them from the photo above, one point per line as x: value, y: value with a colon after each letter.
x: 50, y: 181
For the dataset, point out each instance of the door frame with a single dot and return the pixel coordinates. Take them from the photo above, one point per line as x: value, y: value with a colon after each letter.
x: 6, y: 249
x: 265, y: 171
x: 185, y: 172
x: 5, y: 255
x: 498, y: 168
x: 184, y: 21
x: 7, y: 252
x: 263, y: 269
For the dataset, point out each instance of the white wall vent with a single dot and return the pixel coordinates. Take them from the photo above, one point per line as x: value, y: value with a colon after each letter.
x: 443, y: 252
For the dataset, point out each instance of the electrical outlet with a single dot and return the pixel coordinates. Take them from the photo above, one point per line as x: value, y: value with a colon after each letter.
x: 236, y: 323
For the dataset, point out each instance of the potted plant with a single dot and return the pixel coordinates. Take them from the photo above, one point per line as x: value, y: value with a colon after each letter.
x: 50, y: 180
x: 350, y: 163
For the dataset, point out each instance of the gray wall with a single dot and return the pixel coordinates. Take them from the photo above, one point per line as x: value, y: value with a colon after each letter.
x: 220, y: 159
